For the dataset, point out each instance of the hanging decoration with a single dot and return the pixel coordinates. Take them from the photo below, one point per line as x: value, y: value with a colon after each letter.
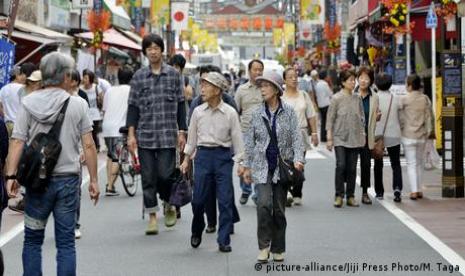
x: 98, y: 23
x: 446, y: 9
x: 396, y: 16
x: 333, y: 37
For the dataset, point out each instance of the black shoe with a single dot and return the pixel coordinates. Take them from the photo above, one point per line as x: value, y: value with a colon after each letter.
x: 111, y: 192
x: 225, y: 248
x: 379, y: 196
x: 195, y: 241
x: 244, y: 198
x: 366, y: 199
x: 210, y: 229
x: 178, y: 212
x: 397, y: 197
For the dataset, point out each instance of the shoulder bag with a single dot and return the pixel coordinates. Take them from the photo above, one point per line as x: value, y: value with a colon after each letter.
x: 378, y: 150
x: 40, y: 157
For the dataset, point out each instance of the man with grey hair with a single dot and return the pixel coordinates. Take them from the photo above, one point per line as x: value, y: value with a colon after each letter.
x: 38, y: 114
x: 214, y: 128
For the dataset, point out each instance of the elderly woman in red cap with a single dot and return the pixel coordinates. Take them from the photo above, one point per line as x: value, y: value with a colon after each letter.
x: 274, y: 134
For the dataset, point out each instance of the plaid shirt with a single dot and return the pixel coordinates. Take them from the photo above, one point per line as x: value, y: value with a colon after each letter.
x: 157, y: 98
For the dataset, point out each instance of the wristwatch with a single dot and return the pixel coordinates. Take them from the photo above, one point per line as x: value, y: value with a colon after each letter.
x: 8, y: 177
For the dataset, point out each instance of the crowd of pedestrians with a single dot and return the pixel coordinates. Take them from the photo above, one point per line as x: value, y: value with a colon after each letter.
x: 203, y: 128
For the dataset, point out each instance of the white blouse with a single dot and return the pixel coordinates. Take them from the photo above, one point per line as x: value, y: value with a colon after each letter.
x: 393, y: 133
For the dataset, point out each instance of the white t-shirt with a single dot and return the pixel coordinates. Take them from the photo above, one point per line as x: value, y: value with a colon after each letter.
x: 323, y: 93
x: 302, y: 106
x: 115, y: 106
x: 10, y: 99
x: 92, y: 94
x: 103, y: 85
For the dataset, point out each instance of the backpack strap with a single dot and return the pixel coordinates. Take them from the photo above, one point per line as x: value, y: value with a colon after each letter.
x: 56, y: 128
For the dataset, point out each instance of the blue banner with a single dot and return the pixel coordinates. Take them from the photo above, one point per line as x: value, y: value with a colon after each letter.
x: 7, y: 61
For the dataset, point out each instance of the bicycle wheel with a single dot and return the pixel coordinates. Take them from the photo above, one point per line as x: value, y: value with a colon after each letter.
x: 129, y: 177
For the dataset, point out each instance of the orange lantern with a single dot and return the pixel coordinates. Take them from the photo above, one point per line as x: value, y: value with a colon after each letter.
x: 257, y: 23
x: 245, y: 23
x: 279, y: 23
x: 209, y: 24
x: 222, y: 23
x: 234, y: 23
x: 268, y: 23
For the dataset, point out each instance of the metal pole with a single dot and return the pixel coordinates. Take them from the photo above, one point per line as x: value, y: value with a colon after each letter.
x: 407, y: 41
x: 12, y: 16
x: 433, y: 69
x: 168, y: 32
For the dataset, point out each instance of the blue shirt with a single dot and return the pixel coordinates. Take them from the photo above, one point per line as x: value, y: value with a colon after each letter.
x: 366, y: 109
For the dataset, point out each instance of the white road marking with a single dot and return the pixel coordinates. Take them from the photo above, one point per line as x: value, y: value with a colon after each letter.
x: 445, y: 251
x: 19, y: 228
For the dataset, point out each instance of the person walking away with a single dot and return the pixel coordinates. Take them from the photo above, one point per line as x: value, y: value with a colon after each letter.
x: 323, y: 94
x: 157, y: 124
x: 213, y: 130
x: 370, y: 102
x: 346, y: 134
x: 248, y: 98
x: 389, y: 128
x: 38, y: 113
x: 261, y: 163
x: 306, y: 115
x: 9, y: 95
x: 94, y: 95
x: 416, y: 127
x: 115, y: 109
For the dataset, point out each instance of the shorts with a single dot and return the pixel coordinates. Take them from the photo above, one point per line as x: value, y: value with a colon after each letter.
x: 112, y: 144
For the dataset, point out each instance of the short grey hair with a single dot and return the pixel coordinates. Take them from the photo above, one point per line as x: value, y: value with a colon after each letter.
x: 54, y: 67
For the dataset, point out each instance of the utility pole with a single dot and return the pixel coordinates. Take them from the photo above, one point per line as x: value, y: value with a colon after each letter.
x: 12, y: 16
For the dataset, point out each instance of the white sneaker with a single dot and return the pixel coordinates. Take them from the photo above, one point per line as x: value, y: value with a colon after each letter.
x: 278, y: 257
x: 297, y: 201
x: 263, y: 256
x: 77, y: 234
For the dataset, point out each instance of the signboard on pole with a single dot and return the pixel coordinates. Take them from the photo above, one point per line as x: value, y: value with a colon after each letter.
x: 431, y: 18
x: 7, y: 61
x: 451, y: 74
x: 83, y: 4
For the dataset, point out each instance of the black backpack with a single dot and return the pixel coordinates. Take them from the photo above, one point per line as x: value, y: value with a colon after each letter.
x: 40, y: 157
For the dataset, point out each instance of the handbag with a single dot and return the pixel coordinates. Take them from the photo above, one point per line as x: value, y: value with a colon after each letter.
x: 378, y: 150
x: 181, y: 191
x: 40, y: 157
x: 288, y: 175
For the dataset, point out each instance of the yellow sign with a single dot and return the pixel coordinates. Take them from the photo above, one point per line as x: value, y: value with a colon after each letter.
x: 438, y: 118
x: 289, y: 33
x: 278, y: 37
x: 159, y: 12
x: 312, y: 11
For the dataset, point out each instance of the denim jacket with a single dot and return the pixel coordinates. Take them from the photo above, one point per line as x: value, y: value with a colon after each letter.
x: 257, y: 139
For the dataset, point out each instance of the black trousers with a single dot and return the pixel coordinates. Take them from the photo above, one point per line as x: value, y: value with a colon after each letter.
x: 346, y: 170
x: 95, y: 131
x: 296, y: 190
x: 323, y: 112
x: 394, y: 158
x: 271, y: 219
x: 365, y: 168
x: 158, y: 175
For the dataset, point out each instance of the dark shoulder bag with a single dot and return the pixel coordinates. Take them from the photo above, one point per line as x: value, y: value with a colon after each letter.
x: 40, y: 157
x: 288, y: 175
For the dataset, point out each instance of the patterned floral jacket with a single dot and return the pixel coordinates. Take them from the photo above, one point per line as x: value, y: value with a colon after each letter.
x: 257, y: 139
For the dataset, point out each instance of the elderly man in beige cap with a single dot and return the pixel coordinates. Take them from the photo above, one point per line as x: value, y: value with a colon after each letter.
x: 214, y: 129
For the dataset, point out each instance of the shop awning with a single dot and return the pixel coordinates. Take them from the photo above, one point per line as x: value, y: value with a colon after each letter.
x: 28, y: 31
x: 113, y: 38
x: 130, y: 34
x: 119, y: 17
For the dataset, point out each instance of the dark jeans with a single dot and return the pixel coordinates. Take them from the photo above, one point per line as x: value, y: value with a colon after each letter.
x: 323, y: 112
x: 61, y: 199
x: 210, y: 208
x: 95, y: 131
x: 394, y: 158
x: 365, y: 168
x: 158, y: 175
x: 213, y: 168
x: 346, y: 170
x: 271, y: 218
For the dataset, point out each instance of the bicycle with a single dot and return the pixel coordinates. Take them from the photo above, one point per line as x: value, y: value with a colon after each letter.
x: 129, y: 170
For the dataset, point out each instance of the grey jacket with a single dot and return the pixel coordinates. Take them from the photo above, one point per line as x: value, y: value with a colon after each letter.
x: 257, y: 139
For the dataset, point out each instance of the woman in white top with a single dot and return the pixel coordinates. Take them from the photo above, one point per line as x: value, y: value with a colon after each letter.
x: 390, y: 125
x: 303, y: 107
x: 93, y: 93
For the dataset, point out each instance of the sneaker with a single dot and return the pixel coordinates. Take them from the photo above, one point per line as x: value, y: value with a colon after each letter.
x: 152, y: 228
x: 290, y: 200
x: 352, y: 202
x: 77, y: 234
x: 244, y: 198
x: 263, y: 256
x: 397, y: 197
x: 18, y: 207
x: 278, y: 257
x: 297, y: 201
x: 413, y: 196
x: 225, y: 248
x: 366, y: 199
x: 170, y: 215
x: 111, y: 192
x: 379, y: 197
x: 338, y: 202
x: 210, y: 229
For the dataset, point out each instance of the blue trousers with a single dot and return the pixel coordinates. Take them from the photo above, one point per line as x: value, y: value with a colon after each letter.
x: 213, y: 169
x: 60, y: 198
